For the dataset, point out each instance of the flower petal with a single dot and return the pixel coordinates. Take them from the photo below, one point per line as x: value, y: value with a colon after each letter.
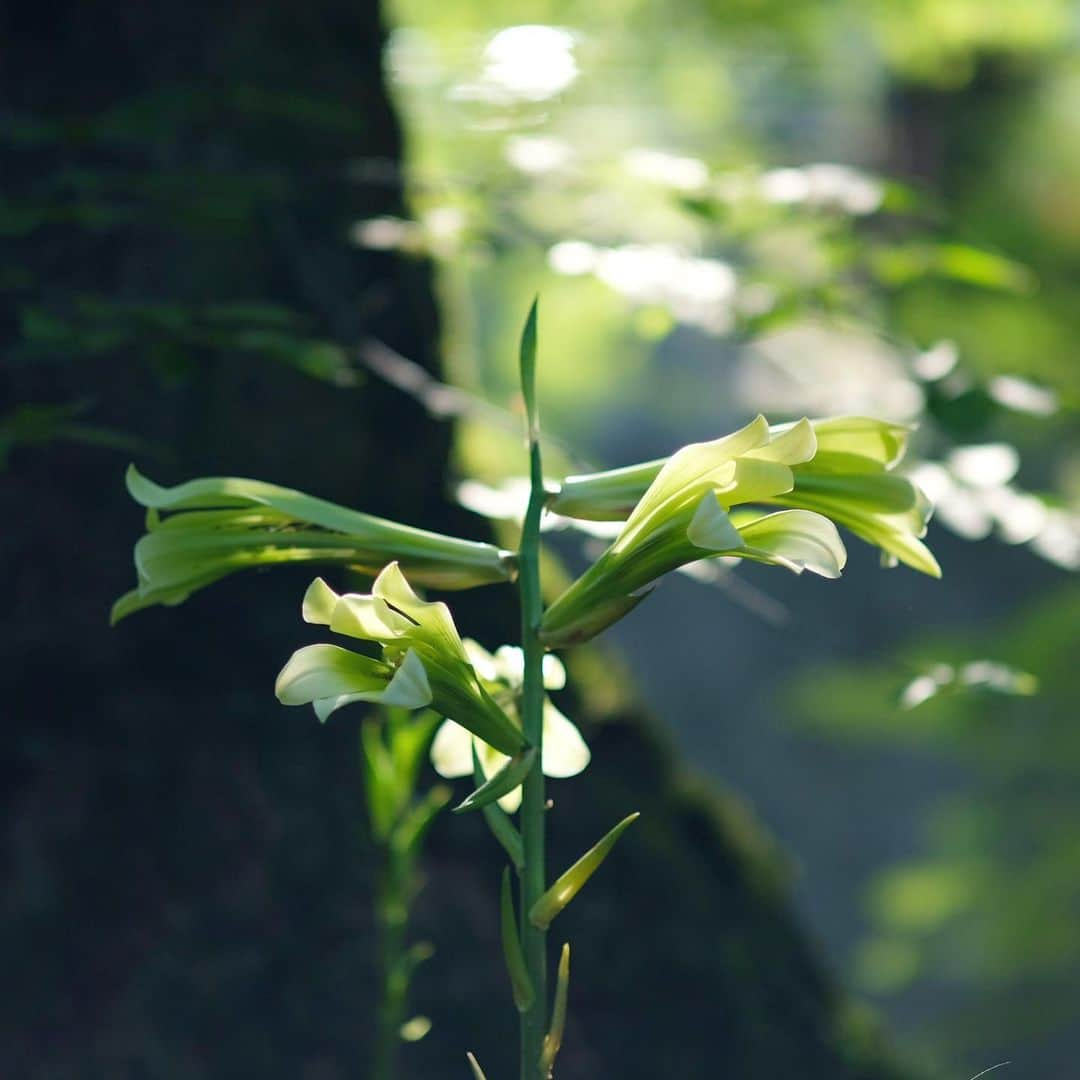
x: 712, y: 528
x: 433, y: 621
x: 408, y: 689
x: 796, y: 539
x: 368, y: 618
x: 882, y: 440
x: 565, y: 752
x: 451, y: 751
x: 797, y: 443
x: 319, y: 671
x: 554, y: 673
x: 318, y: 604
x: 692, y: 469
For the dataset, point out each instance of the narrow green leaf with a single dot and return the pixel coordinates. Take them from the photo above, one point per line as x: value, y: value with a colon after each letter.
x: 478, y: 1073
x: 520, y: 983
x: 528, y: 371
x: 384, y: 797
x: 410, y: 738
x: 416, y: 821
x: 569, y: 884
x: 510, y: 776
x: 553, y: 1039
x: 498, y: 821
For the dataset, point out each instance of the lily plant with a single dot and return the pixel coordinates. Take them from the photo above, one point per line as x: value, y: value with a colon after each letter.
x: 773, y: 494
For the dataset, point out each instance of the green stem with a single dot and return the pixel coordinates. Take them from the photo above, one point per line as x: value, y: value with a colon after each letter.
x: 533, y: 880
x: 392, y: 918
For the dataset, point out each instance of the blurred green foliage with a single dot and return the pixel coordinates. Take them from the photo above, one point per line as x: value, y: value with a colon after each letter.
x: 810, y: 207
x: 988, y: 909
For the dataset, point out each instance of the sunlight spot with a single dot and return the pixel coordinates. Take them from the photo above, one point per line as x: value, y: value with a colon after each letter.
x: 529, y: 63
x: 573, y: 257
x: 936, y: 362
x: 536, y: 154
x: 1059, y: 541
x: 681, y: 173
x: 824, y: 185
x: 988, y: 465
x: 1020, y: 516
x: 924, y: 687
x: 1023, y: 396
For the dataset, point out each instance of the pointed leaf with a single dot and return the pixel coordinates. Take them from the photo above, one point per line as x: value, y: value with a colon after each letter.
x: 510, y: 776
x: 415, y: 822
x: 520, y: 983
x: 410, y: 736
x: 528, y: 371
x: 478, y: 1073
x: 498, y: 821
x: 570, y: 883
x: 553, y: 1039
x: 384, y: 797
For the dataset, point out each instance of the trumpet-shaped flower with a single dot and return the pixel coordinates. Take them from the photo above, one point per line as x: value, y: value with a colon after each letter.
x: 564, y: 751
x: 849, y: 478
x: 680, y: 510
x: 423, y: 661
x: 216, y: 526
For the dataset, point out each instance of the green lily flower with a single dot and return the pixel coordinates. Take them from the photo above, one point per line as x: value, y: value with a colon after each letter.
x: 850, y: 480
x: 848, y: 477
x: 565, y: 752
x: 679, y: 510
x: 683, y: 517
x: 219, y: 525
x: 423, y: 661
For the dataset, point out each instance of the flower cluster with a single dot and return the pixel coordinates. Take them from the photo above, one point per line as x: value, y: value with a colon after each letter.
x: 215, y: 526
x: 708, y: 500
x: 423, y: 660
x: 564, y: 751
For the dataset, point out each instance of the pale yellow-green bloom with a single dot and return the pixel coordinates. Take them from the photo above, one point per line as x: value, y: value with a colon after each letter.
x: 423, y: 660
x: 204, y: 530
x: 710, y: 499
x: 564, y: 751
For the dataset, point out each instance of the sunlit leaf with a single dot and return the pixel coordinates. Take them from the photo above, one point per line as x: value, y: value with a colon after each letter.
x: 510, y: 776
x: 554, y: 1037
x: 570, y: 883
x: 520, y: 983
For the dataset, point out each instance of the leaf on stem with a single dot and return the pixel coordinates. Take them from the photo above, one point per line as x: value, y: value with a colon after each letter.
x: 569, y: 884
x: 416, y: 821
x: 380, y: 779
x: 553, y: 1039
x: 498, y: 821
x: 510, y: 776
x: 528, y: 371
x: 520, y: 983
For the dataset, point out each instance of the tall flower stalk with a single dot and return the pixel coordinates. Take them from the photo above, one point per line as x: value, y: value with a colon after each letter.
x: 533, y: 875
x: 770, y: 494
